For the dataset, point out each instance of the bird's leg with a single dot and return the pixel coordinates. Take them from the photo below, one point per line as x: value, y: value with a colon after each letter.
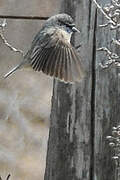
x: 78, y: 46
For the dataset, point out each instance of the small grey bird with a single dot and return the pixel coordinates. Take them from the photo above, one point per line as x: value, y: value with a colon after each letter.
x: 51, y: 51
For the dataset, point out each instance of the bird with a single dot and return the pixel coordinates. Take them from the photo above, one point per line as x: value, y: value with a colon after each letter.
x: 51, y: 51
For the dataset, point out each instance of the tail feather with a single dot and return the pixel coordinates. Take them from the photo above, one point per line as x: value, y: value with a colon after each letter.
x: 12, y: 71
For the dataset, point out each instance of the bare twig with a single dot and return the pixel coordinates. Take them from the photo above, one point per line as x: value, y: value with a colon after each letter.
x: 104, y: 49
x: 8, y: 177
x: 112, y: 13
x: 109, y: 63
x: 117, y: 42
x: 2, y: 27
x: 9, y: 45
x: 104, y: 25
x: 113, y: 58
x: 103, y: 12
x: 115, y: 3
x: 114, y: 143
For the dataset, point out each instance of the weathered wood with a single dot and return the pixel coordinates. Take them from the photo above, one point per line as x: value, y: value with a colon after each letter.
x: 107, y: 99
x: 23, y: 17
x: 83, y: 115
x: 70, y: 146
x: 29, y: 7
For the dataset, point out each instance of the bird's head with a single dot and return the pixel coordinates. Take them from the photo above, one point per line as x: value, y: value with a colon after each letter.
x: 63, y: 21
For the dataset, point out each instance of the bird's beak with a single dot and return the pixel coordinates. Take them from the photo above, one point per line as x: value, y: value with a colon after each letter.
x: 74, y: 29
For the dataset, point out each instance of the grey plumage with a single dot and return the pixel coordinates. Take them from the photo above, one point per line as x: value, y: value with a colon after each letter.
x: 51, y: 51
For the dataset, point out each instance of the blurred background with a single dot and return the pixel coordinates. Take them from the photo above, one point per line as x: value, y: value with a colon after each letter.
x: 25, y: 97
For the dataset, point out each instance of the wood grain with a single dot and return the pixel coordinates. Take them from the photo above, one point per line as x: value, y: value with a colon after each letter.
x: 107, y: 109
x: 29, y: 8
x: 70, y: 146
x: 83, y: 114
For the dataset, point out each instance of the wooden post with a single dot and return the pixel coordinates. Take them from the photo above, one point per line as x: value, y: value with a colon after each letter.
x: 83, y: 114
x: 106, y: 100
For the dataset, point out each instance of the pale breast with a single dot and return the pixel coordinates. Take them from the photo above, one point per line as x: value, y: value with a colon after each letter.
x: 63, y: 35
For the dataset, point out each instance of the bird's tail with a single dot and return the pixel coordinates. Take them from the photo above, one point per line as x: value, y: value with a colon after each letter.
x: 13, y: 70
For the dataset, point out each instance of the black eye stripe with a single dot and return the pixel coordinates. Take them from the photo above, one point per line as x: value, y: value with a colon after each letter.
x: 67, y: 24
x: 70, y: 25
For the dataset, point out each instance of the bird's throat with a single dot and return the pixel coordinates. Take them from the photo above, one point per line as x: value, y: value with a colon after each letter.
x: 64, y: 35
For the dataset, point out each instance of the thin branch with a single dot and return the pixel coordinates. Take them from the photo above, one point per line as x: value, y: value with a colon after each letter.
x: 112, y: 13
x: 103, y: 12
x: 113, y: 58
x: 104, y: 25
x: 114, y: 27
x: 107, y: 64
x: 9, y: 45
x: 8, y: 177
x: 104, y: 49
x: 2, y: 26
x: 114, y: 2
x: 111, y: 55
x: 114, y: 143
x: 117, y: 42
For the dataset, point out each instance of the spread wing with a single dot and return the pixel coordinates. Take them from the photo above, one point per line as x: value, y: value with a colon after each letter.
x: 56, y: 57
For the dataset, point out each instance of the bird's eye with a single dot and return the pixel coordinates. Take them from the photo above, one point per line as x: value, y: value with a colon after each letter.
x: 60, y: 23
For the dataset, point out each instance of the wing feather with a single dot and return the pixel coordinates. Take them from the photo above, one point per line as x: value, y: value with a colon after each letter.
x: 63, y: 65
x: 67, y: 67
x: 56, y: 68
x: 35, y: 51
x: 45, y: 57
x: 48, y: 69
x: 77, y: 65
x: 36, y: 59
x: 56, y: 57
x: 70, y: 66
x: 53, y: 64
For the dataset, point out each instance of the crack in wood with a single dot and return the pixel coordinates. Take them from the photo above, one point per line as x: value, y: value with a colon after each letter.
x: 23, y: 17
x: 93, y: 98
